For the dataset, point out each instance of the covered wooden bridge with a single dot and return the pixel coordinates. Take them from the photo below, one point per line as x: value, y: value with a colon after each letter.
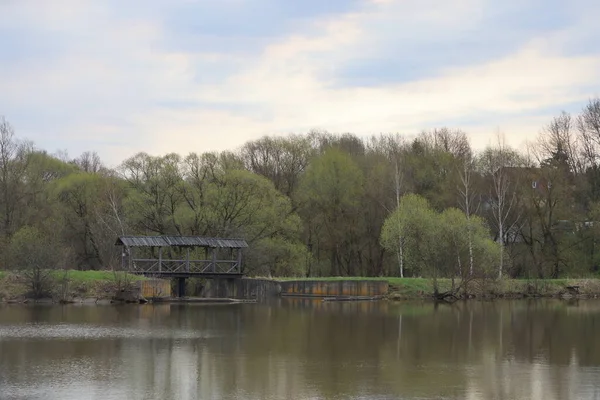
x: 182, y: 257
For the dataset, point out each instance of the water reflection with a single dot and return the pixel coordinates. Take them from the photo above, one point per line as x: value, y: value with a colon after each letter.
x: 302, y: 349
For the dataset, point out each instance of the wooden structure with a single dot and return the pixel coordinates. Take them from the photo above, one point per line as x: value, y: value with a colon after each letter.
x: 169, y: 257
x: 353, y: 289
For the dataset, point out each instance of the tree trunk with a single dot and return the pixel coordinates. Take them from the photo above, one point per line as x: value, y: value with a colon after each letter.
x: 400, y: 245
x: 501, y: 240
x: 401, y: 258
x: 470, y: 253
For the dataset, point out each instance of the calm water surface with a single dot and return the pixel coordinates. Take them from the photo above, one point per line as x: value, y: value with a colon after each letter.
x: 297, y: 349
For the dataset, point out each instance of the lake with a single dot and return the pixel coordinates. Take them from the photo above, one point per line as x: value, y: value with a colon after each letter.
x: 302, y: 349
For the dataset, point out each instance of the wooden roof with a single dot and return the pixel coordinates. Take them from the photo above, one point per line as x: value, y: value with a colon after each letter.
x: 180, y: 241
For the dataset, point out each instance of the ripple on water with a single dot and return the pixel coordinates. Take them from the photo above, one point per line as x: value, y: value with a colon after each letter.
x: 93, y: 332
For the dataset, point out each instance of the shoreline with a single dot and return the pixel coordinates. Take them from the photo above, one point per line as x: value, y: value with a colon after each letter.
x: 105, y: 287
x: 329, y: 299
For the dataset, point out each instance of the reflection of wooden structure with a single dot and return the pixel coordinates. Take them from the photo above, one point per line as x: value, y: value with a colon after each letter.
x: 171, y: 257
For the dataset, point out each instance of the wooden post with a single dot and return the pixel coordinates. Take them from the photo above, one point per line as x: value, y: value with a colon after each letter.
x: 187, y: 259
x: 130, y: 257
x: 160, y: 259
x: 239, y: 261
x: 214, y: 259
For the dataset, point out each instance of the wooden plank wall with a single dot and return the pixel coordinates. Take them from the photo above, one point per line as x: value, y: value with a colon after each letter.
x: 353, y: 288
x: 155, y: 288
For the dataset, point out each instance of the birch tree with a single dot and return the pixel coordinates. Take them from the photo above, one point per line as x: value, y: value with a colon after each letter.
x: 393, y: 148
x: 468, y: 201
x: 395, y: 154
x: 398, y: 177
x: 498, y: 161
x: 436, y: 244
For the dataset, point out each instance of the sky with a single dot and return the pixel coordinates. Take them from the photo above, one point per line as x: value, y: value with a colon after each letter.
x: 120, y: 77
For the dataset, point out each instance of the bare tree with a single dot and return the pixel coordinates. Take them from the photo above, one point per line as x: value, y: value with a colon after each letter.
x: 62, y: 155
x: 90, y: 162
x: 111, y: 220
x: 13, y: 164
x: 8, y: 149
x: 393, y: 147
x: 469, y: 202
x: 588, y: 125
x: 451, y: 141
x: 557, y: 142
x: 281, y: 160
x: 500, y: 162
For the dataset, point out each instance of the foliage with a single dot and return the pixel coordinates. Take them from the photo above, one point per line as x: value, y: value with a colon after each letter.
x: 278, y: 257
x: 439, y: 244
x: 35, y: 254
x: 330, y: 193
x: 322, y: 204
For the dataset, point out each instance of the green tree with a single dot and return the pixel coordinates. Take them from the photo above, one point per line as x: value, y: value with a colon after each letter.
x: 278, y: 256
x: 431, y: 169
x: 245, y: 204
x: 502, y: 168
x: 413, y: 225
x: 238, y: 203
x: 155, y: 192
x: 81, y: 195
x: 549, y: 221
x: 35, y: 254
x: 330, y: 195
x: 281, y: 160
x: 438, y: 244
x: 467, y: 239
x: 39, y: 203
x: 392, y: 149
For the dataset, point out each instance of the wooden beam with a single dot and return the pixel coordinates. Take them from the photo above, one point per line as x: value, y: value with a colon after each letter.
x: 214, y: 259
x: 130, y: 255
x: 160, y: 259
x: 187, y: 259
x: 239, y: 261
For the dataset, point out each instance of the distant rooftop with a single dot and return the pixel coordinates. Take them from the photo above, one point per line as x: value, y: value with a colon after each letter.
x: 180, y: 241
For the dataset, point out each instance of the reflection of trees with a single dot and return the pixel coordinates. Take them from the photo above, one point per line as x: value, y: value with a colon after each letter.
x: 303, y: 348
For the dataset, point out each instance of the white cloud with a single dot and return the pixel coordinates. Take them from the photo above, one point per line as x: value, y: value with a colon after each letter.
x: 123, y: 69
x: 526, y: 81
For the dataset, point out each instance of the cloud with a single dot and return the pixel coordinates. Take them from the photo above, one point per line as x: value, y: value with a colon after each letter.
x: 196, y: 76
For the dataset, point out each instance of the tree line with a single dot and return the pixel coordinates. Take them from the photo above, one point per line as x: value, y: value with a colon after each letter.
x: 323, y: 204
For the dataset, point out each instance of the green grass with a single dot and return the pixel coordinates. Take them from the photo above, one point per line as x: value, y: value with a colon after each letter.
x: 93, y: 276
x: 412, y: 286
x: 335, y: 278
x: 80, y: 283
x: 419, y: 287
x: 87, y: 276
x: 90, y: 282
x: 404, y: 287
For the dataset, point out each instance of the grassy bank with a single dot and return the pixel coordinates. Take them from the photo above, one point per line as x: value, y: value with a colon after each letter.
x: 67, y: 284
x: 103, y: 285
x: 399, y: 287
x: 413, y: 288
